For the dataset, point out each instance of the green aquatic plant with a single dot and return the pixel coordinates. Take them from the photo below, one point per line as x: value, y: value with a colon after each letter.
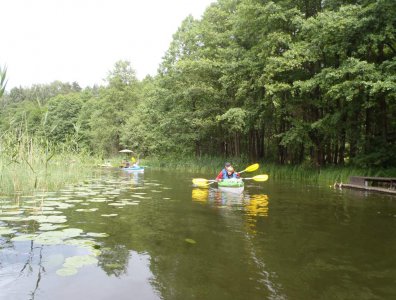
x: 190, y: 241
x: 72, y: 264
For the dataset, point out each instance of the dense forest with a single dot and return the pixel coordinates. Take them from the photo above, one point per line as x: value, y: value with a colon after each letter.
x: 309, y: 82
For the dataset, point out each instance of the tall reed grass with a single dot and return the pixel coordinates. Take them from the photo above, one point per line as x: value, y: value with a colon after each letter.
x: 27, y: 166
x: 325, y: 176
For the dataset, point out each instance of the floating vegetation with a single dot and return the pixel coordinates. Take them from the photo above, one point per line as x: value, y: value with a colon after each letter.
x: 50, y: 237
x: 72, y: 264
x: 116, y: 204
x: 19, y: 218
x: 89, y: 245
x: 24, y: 237
x: 5, y: 231
x: 96, y: 234
x: 67, y: 271
x: 138, y: 196
x: 10, y: 213
x: 48, y: 219
x: 46, y: 226
x: 97, y: 200
x: 87, y: 209
x: 190, y: 241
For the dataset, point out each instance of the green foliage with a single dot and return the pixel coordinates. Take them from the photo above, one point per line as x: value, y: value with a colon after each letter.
x: 62, y: 117
x: 308, y: 83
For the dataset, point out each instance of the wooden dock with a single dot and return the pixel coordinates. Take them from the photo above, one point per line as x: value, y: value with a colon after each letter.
x: 373, y: 184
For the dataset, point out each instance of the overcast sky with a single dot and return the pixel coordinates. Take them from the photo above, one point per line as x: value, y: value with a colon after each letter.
x: 80, y: 40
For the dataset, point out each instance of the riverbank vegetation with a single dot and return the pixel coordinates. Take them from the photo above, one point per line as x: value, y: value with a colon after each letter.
x: 27, y: 166
x: 298, y: 85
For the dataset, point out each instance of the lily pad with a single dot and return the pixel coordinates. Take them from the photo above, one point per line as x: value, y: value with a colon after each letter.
x: 12, y: 213
x: 72, y: 232
x: 96, y: 234
x: 24, y: 237
x: 15, y: 218
x: 190, y: 241
x: 97, y: 200
x: 86, y: 209
x: 67, y: 271
x: 47, y: 226
x: 117, y: 204
x: 79, y: 261
x: 74, y: 201
x: 48, y: 219
x: 5, y: 231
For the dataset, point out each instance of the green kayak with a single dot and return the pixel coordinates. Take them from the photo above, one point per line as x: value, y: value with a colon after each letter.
x: 231, y: 185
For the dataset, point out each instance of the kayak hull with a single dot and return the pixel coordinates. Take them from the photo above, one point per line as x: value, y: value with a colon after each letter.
x: 134, y: 169
x: 231, y: 186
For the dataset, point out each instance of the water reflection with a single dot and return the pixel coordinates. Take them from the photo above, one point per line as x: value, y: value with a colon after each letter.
x: 254, y: 206
x: 200, y: 195
x: 141, y: 236
x: 74, y: 224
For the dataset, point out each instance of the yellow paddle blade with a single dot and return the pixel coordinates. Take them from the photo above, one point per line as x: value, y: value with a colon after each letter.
x: 252, y: 168
x: 263, y: 177
x: 201, y: 182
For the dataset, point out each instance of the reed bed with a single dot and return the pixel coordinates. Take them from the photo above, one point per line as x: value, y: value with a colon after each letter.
x: 321, y: 176
x: 27, y: 166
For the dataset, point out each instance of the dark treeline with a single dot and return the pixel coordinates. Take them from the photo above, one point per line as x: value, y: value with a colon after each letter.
x: 293, y: 82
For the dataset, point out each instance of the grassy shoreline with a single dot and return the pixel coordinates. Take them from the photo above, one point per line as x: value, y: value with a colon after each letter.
x: 325, y: 176
x: 35, y: 172
x: 27, y: 177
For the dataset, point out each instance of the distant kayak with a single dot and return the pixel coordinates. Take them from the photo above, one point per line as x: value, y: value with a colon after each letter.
x: 134, y: 169
x: 231, y: 185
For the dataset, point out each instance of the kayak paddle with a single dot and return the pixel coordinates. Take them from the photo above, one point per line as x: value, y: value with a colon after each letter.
x: 251, y: 168
x: 201, y: 182
x: 263, y: 177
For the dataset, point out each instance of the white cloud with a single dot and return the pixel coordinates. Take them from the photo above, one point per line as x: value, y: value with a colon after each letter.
x: 80, y: 40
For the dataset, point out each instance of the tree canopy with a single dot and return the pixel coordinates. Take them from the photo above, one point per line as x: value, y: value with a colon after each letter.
x: 293, y: 82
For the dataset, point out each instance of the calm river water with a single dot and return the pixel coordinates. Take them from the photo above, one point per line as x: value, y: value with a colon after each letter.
x: 154, y: 236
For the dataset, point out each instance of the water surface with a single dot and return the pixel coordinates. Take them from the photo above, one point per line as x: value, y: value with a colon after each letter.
x: 154, y: 236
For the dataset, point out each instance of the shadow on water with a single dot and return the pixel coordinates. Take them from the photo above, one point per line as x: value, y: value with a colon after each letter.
x: 153, y: 236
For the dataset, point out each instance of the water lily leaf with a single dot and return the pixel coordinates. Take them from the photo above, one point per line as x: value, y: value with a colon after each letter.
x: 79, y: 260
x: 47, y: 226
x: 67, y: 271
x: 48, y: 219
x: 109, y: 215
x: 71, y: 232
x: 5, y: 231
x: 97, y: 200
x: 96, y: 234
x: 190, y: 241
x: 86, y: 209
x: 24, y: 237
x: 16, y: 218
x: 11, y: 213
x: 85, y: 244
x: 48, y: 240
